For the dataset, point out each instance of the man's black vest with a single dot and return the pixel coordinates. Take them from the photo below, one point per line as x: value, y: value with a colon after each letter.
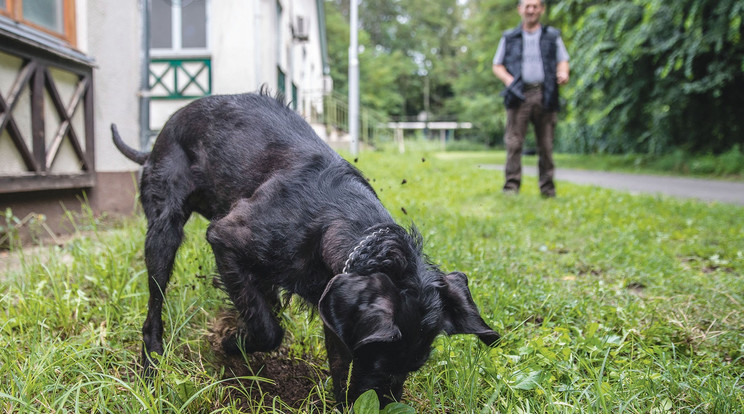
x: 513, y: 64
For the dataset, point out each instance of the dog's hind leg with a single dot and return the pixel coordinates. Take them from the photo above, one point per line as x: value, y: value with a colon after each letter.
x: 164, y: 203
x: 255, y: 302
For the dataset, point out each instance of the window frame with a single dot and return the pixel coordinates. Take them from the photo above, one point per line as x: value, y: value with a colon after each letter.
x: 177, y: 49
x: 14, y: 10
x: 281, y: 81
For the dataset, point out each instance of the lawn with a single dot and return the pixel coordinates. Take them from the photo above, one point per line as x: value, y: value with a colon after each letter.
x: 726, y: 166
x: 606, y: 302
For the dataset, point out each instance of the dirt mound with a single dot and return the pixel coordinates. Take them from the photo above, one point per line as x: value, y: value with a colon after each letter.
x: 295, y: 380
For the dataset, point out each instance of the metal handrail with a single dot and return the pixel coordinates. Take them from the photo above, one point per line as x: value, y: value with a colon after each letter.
x: 372, y: 125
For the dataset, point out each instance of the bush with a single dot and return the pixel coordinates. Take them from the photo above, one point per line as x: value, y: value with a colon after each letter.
x: 731, y: 162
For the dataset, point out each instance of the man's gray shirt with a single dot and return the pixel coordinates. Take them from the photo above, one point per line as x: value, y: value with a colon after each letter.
x: 532, y: 67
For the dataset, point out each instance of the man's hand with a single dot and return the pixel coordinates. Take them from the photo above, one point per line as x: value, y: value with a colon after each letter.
x: 562, y: 73
x: 501, y: 73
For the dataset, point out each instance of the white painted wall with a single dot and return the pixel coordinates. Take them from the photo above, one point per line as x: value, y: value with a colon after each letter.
x: 232, y: 40
x: 248, y: 42
x: 110, y: 31
x: 308, y: 69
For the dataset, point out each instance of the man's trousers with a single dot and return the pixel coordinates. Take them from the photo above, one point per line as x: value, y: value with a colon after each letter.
x: 517, y: 120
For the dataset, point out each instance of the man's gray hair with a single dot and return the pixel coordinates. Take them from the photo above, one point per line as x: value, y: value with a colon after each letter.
x: 542, y: 2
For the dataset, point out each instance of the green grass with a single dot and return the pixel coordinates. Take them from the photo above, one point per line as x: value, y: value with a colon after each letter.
x: 727, y: 166
x: 607, y: 302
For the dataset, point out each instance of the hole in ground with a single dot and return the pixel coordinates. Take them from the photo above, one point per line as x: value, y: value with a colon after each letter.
x: 296, y: 380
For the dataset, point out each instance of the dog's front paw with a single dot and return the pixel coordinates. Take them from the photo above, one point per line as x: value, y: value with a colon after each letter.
x: 224, y: 331
x: 239, y: 341
x: 234, y: 344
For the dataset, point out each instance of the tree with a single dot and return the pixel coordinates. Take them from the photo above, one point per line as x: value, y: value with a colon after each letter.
x: 648, y: 76
x: 410, y: 40
x: 440, y: 54
x: 476, y: 89
x: 654, y: 75
x: 380, y: 69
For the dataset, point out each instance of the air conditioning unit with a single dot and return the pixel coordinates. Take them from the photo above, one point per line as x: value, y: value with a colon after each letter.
x: 301, y: 29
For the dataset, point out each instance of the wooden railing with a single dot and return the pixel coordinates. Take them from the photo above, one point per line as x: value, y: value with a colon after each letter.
x: 47, y: 116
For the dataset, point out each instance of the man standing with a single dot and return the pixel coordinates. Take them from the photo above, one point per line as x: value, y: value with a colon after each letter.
x: 531, y: 60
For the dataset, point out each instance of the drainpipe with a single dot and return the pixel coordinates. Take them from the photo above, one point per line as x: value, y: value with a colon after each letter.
x: 257, y: 43
x: 144, y: 94
x: 354, y: 77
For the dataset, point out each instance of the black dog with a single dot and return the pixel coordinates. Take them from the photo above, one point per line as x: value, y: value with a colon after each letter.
x: 288, y: 213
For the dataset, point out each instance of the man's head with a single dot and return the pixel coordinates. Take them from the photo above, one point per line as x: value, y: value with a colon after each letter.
x: 531, y: 11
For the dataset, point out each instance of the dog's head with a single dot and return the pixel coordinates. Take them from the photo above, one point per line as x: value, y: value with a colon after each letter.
x: 386, y: 331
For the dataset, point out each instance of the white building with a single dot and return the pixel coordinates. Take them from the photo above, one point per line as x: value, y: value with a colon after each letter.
x: 231, y: 46
x: 70, y: 68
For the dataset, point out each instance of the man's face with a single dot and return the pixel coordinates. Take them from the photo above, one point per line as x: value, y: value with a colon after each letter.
x: 531, y: 10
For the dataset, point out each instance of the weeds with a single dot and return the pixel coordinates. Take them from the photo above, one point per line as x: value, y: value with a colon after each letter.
x: 11, y: 225
x: 606, y: 302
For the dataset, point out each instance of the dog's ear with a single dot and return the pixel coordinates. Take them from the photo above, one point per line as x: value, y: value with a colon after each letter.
x: 360, y: 309
x: 460, y: 315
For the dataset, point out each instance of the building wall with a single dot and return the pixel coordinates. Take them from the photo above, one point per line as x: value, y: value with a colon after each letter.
x: 10, y: 159
x: 249, y: 42
x: 116, y: 55
x: 310, y: 71
x: 118, y: 58
x: 305, y: 58
x: 232, y: 39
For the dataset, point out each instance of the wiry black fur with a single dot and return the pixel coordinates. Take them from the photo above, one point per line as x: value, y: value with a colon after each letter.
x: 286, y: 212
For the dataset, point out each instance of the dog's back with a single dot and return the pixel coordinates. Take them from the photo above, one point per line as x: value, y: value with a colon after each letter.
x: 228, y: 145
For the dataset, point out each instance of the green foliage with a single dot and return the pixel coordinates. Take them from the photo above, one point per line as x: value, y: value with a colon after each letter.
x: 8, y: 229
x: 368, y: 403
x: 648, y: 76
x: 651, y: 76
x: 379, y: 68
x: 476, y: 89
x: 729, y: 164
x: 410, y: 57
x: 33, y: 225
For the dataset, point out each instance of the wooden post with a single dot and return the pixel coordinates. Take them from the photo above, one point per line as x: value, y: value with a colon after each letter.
x: 399, y: 140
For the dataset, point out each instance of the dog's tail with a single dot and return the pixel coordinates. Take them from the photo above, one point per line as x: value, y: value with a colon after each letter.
x: 137, y: 156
